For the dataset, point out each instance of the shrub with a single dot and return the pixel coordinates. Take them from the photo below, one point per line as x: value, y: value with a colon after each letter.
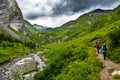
x: 18, y: 76
x: 116, y: 74
x: 114, y: 37
x: 114, y: 54
x: 59, y: 59
x: 78, y: 71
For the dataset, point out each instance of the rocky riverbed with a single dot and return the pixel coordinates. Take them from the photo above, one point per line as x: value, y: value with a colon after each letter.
x: 26, y: 66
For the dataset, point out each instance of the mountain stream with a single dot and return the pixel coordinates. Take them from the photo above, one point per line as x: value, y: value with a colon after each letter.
x: 26, y: 66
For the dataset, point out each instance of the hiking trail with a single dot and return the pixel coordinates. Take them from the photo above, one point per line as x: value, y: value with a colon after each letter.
x: 109, y: 67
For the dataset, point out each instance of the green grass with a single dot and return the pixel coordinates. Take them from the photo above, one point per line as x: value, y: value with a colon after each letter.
x: 70, y: 61
x: 34, y: 34
x: 9, y: 53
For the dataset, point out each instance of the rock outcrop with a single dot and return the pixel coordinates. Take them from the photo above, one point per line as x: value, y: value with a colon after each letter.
x: 11, y: 16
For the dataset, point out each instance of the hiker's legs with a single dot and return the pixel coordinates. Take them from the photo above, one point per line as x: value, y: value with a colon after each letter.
x: 104, y: 56
x: 98, y: 50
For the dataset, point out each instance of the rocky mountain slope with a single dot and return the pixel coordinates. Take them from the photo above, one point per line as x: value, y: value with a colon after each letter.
x: 11, y: 17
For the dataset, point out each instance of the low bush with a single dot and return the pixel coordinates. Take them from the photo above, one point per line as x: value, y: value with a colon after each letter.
x: 114, y: 37
x: 114, y: 49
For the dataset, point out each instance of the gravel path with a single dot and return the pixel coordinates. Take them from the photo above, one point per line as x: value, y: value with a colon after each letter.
x: 109, y: 67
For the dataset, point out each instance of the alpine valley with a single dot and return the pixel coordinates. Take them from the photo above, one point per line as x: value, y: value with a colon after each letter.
x: 63, y: 53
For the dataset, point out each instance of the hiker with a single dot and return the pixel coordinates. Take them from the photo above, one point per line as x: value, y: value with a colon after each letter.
x: 97, y: 46
x: 104, y: 51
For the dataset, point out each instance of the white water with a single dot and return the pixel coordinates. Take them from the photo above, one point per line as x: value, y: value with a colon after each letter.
x: 40, y: 62
x: 40, y: 66
x: 23, y: 61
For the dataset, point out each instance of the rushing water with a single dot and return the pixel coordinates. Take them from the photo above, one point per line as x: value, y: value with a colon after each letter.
x: 40, y: 62
x: 20, y: 64
x: 40, y: 66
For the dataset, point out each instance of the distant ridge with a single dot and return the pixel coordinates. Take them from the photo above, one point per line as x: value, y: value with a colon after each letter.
x: 36, y: 27
x: 101, y: 11
x: 39, y: 27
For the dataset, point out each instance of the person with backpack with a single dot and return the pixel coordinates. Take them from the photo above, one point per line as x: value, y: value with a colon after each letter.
x: 104, y: 51
x: 97, y: 46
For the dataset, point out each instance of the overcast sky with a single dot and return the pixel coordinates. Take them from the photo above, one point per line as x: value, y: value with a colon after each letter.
x: 53, y: 13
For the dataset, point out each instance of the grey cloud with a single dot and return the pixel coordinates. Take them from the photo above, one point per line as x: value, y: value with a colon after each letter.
x: 74, y: 6
x: 32, y: 16
x: 54, y: 12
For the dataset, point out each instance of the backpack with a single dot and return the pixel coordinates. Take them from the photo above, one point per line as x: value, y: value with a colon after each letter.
x: 104, y: 48
x: 97, y: 45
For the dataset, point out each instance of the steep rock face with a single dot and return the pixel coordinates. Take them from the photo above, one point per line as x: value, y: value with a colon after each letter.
x: 3, y: 11
x: 11, y: 16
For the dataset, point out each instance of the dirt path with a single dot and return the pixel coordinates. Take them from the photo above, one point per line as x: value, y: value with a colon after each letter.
x: 109, y: 67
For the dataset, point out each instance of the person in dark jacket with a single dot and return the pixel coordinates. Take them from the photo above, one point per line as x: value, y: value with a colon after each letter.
x: 104, y: 51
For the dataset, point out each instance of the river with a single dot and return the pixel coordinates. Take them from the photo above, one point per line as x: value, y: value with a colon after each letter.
x: 32, y: 63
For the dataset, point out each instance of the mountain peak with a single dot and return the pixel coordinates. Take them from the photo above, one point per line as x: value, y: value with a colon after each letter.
x: 37, y: 25
x: 101, y: 11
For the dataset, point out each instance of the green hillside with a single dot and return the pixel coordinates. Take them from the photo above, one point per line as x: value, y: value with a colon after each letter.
x: 11, y: 47
x: 73, y: 29
x: 75, y: 58
x: 36, y: 35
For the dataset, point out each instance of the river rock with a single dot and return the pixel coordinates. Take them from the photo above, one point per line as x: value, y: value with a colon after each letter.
x: 24, y: 65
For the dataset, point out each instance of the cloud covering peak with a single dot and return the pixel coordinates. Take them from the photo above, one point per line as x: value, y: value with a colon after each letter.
x: 52, y: 13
